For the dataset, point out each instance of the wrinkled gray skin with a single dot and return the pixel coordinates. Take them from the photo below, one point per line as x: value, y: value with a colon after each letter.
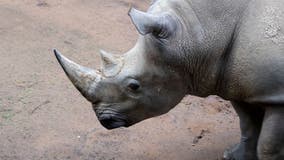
x: 230, y: 48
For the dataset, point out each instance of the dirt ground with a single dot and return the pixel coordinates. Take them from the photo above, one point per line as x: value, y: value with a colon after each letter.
x: 43, y: 117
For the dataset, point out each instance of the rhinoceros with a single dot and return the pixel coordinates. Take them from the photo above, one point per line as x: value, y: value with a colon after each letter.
x: 230, y: 48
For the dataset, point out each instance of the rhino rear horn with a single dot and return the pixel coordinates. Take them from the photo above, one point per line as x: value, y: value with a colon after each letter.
x: 111, y: 64
x: 108, y: 59
x: 161, y: 25
x: 84, y: 79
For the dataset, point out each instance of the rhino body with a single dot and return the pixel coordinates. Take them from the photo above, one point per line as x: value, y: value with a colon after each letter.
x: 230, y: 48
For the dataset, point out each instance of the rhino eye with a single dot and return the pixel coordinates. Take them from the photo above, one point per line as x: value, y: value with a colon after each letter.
x: 133, y: 86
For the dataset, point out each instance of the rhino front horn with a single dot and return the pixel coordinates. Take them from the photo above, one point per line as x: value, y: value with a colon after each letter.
x: 161, y: 25
x: 84, y: 79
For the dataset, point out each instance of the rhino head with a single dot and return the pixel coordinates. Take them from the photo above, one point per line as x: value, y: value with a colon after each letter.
x: 137, y: 85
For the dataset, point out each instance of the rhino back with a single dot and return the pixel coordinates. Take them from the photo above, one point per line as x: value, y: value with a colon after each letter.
x: 255, y: 70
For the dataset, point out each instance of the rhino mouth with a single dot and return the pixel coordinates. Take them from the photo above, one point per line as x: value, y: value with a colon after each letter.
x: 112, y: 122
x: 111, y: 119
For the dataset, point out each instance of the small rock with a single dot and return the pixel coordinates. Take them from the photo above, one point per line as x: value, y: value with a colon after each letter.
x: 201, y: 135
x: 42, y: 3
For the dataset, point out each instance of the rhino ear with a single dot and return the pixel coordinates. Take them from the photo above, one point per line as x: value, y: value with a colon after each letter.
x: 111, y: 64
x: 159, y: 25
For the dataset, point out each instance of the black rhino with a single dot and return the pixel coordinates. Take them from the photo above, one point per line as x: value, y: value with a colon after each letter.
x: 230, y: 48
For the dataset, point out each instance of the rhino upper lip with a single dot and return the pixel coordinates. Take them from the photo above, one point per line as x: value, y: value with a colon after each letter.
x: 108, y: 114
x: 111, y: 121
x: 111, y: 118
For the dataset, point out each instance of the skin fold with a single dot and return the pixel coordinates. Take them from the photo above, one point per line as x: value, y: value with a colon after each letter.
x: 230, y: 48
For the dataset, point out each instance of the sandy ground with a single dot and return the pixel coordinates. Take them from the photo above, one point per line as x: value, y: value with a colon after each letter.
x: 42, y: 116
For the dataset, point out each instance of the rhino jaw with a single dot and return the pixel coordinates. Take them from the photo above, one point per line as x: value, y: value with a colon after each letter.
x: 84, y: 79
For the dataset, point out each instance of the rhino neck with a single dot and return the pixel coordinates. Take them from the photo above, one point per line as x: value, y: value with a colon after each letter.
x: 208, y: 28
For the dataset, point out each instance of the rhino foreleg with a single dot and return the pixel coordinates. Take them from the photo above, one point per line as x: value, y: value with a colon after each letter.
x: 250, y: 123
x: 271, y: 140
